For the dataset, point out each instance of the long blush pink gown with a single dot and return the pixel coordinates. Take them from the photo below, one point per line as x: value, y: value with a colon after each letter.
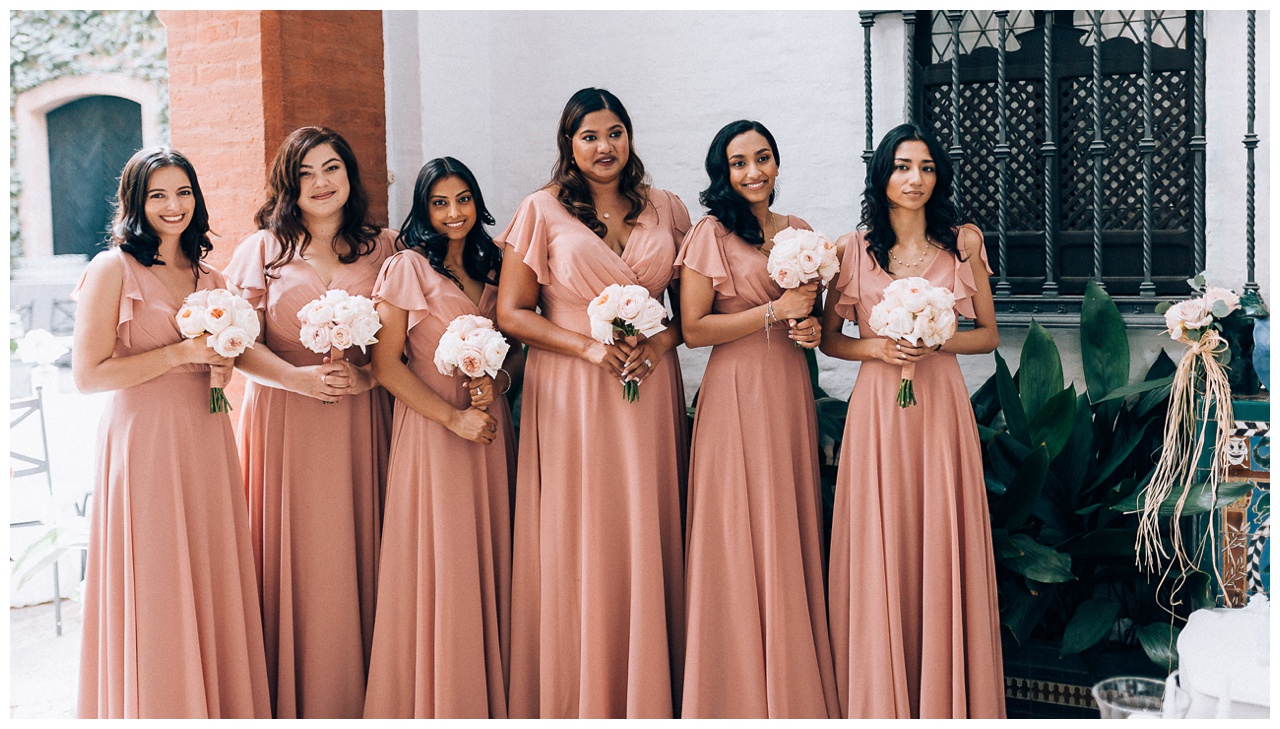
x: 440, y: 641
x: 315, y: 475
x: 758, y: 645
x: 597, y: 627
x: 171, y: 623
x: 914, y: 620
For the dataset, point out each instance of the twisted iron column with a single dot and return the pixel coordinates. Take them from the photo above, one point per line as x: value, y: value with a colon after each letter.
x: 1197, y: 144
x: 1250, y: 143
x: 1097, y: 148
x: 909, y: 65
x: 1002, y: 155
x: 956, y: 151
x: 1147, y: 146
x: 868, y: 19
x: 1049, y: 150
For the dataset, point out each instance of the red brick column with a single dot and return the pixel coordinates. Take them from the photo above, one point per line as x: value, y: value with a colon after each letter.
x: 241, y: 80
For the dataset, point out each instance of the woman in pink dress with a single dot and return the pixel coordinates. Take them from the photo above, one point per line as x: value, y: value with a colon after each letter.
x: 171, y: 623
x: 597, y: 626
x: 914, y: 622
x: 440, y: 641
x: 757, y: 614
x: 313, y: 432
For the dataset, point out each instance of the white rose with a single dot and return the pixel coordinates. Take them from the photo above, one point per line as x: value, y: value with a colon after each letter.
x: 940, y: 298
x: 447, y: 353
x: 40, y: 347
x: 344, y: 312
x: 495, y: 352
x: 631, y: 302
x: 1214, y: 294
x: 898, y: 324
x: 944, y: 326
x: 809, y: 262
x: 786, y: 275
x: 649, y: 322
x: 191, y: 321
x: 217, y: 318
x: 340, y: 337
x: 471, y: 359
x: 602, y: 330
x: 604, y: 307
x: 335, y: 296
x: 230, y: 342
x: 221, y: 298
x: 912, y: 293
x: 829, y: 269
x: 198, y: 298
x: 363, y: 330
x: 316, y: 313
x: 1190, y: 314
x: 315, y: 338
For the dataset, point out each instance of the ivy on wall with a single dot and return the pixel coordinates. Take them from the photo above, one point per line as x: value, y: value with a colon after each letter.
x: 45, y: 45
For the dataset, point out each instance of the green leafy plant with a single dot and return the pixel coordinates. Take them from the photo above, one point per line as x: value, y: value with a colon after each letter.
x: 1063, y: 472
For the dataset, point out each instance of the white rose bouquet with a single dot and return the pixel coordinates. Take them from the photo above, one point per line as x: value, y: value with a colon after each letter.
x: 471, y: 345
x: 626, y: 311
x: 232, y: 326
x: 916, y: 311
x: 1196, y: 322
x: 337, y: 321
x: 800, y: 256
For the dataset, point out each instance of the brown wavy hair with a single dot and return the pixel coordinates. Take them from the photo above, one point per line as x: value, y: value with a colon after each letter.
x: 130, y: 229
x: 280, y: 214
x: 573, y: 192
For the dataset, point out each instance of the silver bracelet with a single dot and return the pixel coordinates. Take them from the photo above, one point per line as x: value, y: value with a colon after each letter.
x: 508, y: 387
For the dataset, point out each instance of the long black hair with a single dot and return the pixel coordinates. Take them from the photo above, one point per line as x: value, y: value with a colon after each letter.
x: 130, y: 229
x: 481, y: 259
x: 573, y: 193
x: 720, y: 199
x: 940, y: 214
x: 280, y: 214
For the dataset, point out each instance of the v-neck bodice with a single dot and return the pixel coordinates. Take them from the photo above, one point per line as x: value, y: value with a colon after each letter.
x: 295, y: 284
x: 574, y: 265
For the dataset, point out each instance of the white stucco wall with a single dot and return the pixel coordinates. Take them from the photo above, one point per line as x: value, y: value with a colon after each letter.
x: 487, y: 87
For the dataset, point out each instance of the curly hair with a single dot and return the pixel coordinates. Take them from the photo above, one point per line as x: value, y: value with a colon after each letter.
x: 280, y: 214
x: 940, y: 213
x: 129, y: 227
x: 573, y: 192
x: 720, y: 199
x: 481, y: 259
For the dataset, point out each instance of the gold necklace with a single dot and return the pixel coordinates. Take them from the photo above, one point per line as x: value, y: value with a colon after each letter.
x: 928, y: 244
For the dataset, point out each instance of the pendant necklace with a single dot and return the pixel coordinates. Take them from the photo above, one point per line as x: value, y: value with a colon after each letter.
x: 928, y: 244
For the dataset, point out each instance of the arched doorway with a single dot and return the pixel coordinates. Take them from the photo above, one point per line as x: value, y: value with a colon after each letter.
x: 90, y: 140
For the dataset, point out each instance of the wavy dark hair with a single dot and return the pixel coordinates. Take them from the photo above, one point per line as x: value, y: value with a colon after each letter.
x: 130, y: 229
x: 280, y: 214
x: 573, y: 193
x: 940, y: 213
x: 481, y: 259
x: 720, y: 199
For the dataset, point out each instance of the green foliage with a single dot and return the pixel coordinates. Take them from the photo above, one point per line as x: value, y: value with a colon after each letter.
x: 1063, y: 473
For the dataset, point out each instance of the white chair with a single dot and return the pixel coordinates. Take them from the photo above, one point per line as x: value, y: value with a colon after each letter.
x: 24, y: 465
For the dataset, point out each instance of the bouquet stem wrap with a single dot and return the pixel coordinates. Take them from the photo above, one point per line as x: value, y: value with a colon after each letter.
x: 630, y: 387
x: 907, y: 388
x: 218, y: 402
x: 1184, y: 439
x: 335, y: 355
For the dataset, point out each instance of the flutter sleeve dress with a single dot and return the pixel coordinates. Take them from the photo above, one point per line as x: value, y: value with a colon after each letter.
x: 914, y: 619
x: 315, y: 475
x: 598, y: 576
x: 440, y: 642
x: 171, y: 622
x: 758, y: 645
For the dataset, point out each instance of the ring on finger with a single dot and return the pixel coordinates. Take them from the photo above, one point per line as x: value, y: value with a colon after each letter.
x: 648, y: 363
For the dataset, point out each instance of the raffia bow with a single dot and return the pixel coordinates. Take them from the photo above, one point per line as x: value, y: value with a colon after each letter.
x: 1184, y: 440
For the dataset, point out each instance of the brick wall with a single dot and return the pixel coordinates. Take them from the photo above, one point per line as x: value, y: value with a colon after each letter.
x: 240, y: 81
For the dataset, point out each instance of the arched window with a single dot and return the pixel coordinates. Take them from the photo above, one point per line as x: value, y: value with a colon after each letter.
x: 90, y: 140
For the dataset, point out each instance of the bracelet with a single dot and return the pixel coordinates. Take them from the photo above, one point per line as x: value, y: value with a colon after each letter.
x: 168, y: 361
x: 769, y: 320
x: 508, y: 387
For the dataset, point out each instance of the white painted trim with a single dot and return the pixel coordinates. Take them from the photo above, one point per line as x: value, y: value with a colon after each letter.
x: 35, y: 210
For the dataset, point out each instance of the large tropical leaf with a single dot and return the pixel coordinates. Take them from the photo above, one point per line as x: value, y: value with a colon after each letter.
x: 1053, y: 423
x: 1015, y: 418
x: 1037, y: 562
x: 1160, y: 643
x: 1104, y: 543
x: 1104, y: 344
x: 1093, y: 621
x: 1137, y: 388
x: 1039, y: 369
x: 1022, y: 609
x: 1199, y: 500
x: 1023, y: 489
x: 1072, y: 463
